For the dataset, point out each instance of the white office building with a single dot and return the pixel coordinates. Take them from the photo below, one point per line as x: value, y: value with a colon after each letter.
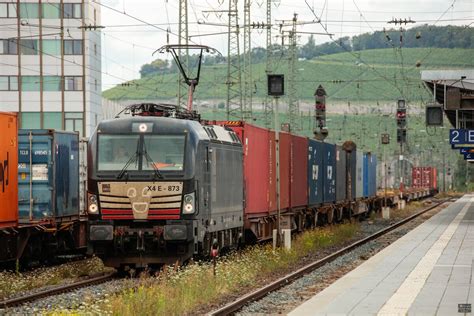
x: 50, y: 63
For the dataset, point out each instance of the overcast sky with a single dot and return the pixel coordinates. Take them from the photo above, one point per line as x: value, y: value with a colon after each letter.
x: 125, y: 48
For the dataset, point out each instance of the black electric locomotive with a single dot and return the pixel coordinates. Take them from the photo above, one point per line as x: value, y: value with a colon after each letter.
x: 158, y: 188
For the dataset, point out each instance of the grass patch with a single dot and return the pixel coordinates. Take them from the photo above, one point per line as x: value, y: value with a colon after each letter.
x: 379, y: 85
x: 410, y: 208
x: 12, y: 283
x: 449, y: 194
x: 178, y: 291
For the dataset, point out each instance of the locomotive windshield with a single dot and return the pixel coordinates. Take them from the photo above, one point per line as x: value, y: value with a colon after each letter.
x: 165, y: 151
x: 116, y: 152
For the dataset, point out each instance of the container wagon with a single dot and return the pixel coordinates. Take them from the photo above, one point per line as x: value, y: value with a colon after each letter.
x: 46, y: 196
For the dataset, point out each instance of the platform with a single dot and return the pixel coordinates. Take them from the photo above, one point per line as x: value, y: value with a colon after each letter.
x: 426, y: 272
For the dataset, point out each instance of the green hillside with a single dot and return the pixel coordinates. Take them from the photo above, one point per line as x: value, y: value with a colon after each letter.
x: 375, y: 75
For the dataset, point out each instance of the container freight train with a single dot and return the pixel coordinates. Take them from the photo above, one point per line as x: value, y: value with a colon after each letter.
x: 163, y: 189
x: 39, y: 196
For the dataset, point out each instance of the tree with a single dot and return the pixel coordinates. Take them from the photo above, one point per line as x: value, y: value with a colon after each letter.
x: 155, y: 67
x: 308, y: 51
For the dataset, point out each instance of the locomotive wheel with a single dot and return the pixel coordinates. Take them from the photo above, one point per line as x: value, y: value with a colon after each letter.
x: 330, y: 216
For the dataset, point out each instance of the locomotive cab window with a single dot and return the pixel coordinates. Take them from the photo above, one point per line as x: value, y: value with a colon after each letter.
x: 116, y: 150
x: 165, y: 151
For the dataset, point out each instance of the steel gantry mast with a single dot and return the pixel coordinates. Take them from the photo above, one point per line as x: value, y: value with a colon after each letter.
x: 293, y: 105
x: 183, y: 53
x: 247, y: 69
x: 233, y: 82
x: 268, y: 103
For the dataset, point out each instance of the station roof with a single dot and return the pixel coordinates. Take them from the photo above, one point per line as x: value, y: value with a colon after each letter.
x: 439, y: 81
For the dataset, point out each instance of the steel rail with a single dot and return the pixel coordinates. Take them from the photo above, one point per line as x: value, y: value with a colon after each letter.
x: 56, y: 290
x: 253, y: 296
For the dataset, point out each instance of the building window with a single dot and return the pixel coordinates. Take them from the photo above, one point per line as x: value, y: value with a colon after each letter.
x: 73, y: 83
x: 72, y: 47
x: 30, y: 83
x: 8, y: 47
x: 8, y: 10
x: 51, y: 83
x: 30, y: 120
x: 73, y: 122
x: 72, y: 11
x: 28, y: 47
x: 8, y: 83
x: 29, y: 10
x: 50, y: 11
x: 95, y: 84
x: 52, y: 120
x: 95, y: 49
x: 51, y: 47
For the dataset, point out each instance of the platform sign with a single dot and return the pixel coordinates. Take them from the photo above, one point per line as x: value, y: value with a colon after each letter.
x: 465, y: 150
x: 459, y: 137
x: 469, y: 156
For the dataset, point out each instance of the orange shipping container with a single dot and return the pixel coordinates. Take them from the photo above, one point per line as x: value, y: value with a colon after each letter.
x: 8, y: 170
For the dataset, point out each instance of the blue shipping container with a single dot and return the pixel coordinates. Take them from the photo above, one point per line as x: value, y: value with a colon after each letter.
x: 341, y: 174
x: 359, y: 174
x: 366, y: 172
x: 315, y: 171
x: 352, y: 172
x: 329, y: 176
x: 48, y: 183
x: 373, y: 176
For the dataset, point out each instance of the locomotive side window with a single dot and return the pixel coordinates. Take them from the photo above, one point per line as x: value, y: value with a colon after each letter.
x: 115, y: 150
x: 166, y: 151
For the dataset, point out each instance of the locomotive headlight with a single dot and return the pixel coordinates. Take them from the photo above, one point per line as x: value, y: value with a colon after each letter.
x: 93, y: 208
x: 188, y: 204
x: 92, y: 205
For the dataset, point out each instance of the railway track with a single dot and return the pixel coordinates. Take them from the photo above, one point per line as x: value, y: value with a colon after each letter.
x: 258, y: 294
x: 56, y: 290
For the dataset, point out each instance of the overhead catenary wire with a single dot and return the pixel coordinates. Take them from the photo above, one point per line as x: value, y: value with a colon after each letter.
x: 137, y: 19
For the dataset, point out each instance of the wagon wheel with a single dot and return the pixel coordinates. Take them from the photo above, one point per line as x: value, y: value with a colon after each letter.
x: 339, y: 214
x: 316, y: 217
x: 350, y: 214
x: 330, y: 215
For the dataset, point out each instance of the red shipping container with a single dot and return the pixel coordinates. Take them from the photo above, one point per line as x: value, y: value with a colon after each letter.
x: 424, y: 177
x: 260, y: 168
x: 272, y: 201
x: 416, y: 177
x: 8, y: 170
x: 299, y: 172
x: 257, y: 161
x: 434, y: 182
x: 285, y: 153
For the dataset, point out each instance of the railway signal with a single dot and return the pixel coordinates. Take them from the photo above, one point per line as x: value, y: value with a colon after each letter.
x: 320, y: 131
x: 401, y: 136
x: 434, y: 115
x: 401, y: 117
